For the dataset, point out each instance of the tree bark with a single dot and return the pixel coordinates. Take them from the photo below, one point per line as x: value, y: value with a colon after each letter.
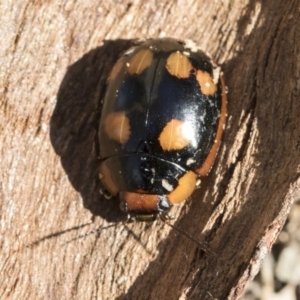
x: 55, y: 58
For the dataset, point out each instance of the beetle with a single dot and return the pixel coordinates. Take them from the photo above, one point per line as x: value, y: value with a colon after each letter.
x: 161, y: 124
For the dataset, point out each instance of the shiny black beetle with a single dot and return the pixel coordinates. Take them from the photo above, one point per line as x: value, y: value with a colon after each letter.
x: 162, y: 120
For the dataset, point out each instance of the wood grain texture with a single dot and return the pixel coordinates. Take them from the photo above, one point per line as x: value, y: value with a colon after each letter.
x: 55, y: 57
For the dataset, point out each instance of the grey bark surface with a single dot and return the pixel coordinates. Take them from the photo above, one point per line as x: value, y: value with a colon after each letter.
x: 54, y: 60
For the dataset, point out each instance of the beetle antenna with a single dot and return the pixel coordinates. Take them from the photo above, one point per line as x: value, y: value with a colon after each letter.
x: 202, y: 246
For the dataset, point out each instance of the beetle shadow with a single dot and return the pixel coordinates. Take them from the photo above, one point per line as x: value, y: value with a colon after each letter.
x: 74, y: 125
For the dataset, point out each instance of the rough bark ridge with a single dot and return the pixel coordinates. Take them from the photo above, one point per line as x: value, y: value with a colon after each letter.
x: 55, y: 57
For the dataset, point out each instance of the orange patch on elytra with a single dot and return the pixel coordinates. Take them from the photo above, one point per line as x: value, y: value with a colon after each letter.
x: 140, y: 61
x: 106, y: 179
x: 206, y: 166
x: 116, y: 69
x: 206, y: 82
x: 117, y: 127
x: 137, y: 201
x: 173, y: 136
x: 186, y: 186
x: 179, y: 65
